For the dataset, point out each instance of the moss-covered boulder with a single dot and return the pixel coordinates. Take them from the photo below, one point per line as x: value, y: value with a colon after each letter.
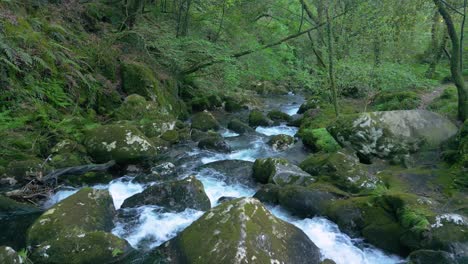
x: 280, y: 172
x: 76, y: 231
x: 257, y: 118
x: 214, y: 143
x: 232, y: 171
x: 231, y: 104
x: 120, y: 142
x: 18, y: 217
x: 22, y: 171
x: 239, y: 127
x: 278, y: 116
x: 392, y: 133
x: 171, y: 136
x: 311, y: 103
x: 10, y: 256
x: 431, y: 257
x: 209, y: 102
x: 138, y: 78
x: 204, y: 121
x: 68, y: 153
x: 319, y: 140
x: 341, y: 169
x: 242, y: 230
x: 281, y: 142
x: 173, y: 195
x: 148, y: 116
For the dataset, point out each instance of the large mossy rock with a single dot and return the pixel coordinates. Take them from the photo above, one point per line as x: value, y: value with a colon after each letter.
x: 148, y: 116
x: 239, y: 127
x: 15, y: 220
x: 341, y: 169
x: 257, y: 118
x: 174, y: 196
x: 319, y: 140
x: 204, y: 121
x: 241, y: 231
x: 9, y: 256
x: 138, y: 78
x: 281, y: 142
x: 68, y: 153
x: 120, y: 142
x: 392, y: 133
x: 76, y: 231
x: 278, y: 116
x: 280, y: 172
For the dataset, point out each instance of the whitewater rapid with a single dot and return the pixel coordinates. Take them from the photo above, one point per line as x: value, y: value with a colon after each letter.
x: 147, y: 227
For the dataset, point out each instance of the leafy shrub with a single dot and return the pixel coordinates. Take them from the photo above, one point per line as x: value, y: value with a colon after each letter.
x: 388, y: 101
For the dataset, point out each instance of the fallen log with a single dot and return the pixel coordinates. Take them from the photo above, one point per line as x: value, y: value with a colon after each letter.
x: 78, y: 170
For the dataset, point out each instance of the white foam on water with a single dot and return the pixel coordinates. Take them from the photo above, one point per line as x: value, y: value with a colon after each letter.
x: 154, y: 227
x: 256, y: 149
x: 122, y: 188
x: 334, y: 244
x: 228, y: 134
x: 216, y: 188
x: 277, y: 130
x: 59, y: 196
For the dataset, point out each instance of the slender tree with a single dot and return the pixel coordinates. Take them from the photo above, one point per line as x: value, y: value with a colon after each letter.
x: 455, y: 58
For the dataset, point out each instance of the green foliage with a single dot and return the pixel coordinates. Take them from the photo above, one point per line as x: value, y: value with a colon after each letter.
x: 447, y: 103
x: 404, y: 100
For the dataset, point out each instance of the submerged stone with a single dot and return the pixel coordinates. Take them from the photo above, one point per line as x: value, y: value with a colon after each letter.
x: 281, y: 142
x: 204, y: 121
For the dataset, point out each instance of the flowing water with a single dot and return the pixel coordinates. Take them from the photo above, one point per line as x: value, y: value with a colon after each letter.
x: 147, y: 227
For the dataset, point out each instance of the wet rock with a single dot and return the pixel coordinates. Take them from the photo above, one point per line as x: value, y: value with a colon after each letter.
x: 171, y: 136
x: 65, y: 232
x: 10, y: 256
x: 214, y: 143
x: 233, y: 171
x: 257, y: 118
x: 18, y: 217
x: 431, y: 257
x: 278, y: 116
x: 281, y: 142
x: 68, y: 153
x: 280, y: 172
x: 225, y: 199
x: 204, y: 121
x: 232, y: 105
x: 392, y: 133
x: 120, y: 142
x: 312, y: 103
x: 161, y: 172
x: 174, y: 196
x: 319, y: 140
x: 242, y: 230
x: 342, y: 170
x: 239, y: 127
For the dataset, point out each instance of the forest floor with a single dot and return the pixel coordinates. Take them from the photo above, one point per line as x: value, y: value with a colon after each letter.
x: 429, y: 97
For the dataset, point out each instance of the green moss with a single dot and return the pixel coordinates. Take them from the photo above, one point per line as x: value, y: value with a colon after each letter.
x: 277, y: 115
x: 257, y: 118
x: 204, y: 121
x: 239, y: 127
x: 400, y: 100
x: 446, y: 104
x: 314, y: 102
x: 171, y: 136
x: 319, y: 140
x: 264, y: 168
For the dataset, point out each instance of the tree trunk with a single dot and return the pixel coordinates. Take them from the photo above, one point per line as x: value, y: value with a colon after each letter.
x: 455, y: 61
x: 331, y: 72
